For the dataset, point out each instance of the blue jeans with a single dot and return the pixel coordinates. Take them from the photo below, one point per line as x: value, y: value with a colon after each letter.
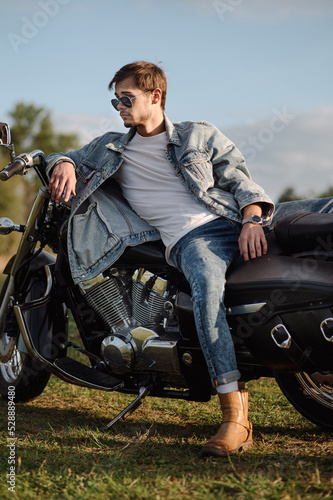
x: 203, y: 255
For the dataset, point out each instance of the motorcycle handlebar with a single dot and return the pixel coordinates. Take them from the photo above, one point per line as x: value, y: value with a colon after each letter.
x: 16, y: 167
x: 21, y: 164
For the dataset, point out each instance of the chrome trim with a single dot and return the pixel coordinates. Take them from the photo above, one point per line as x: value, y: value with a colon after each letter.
x: 161, y: 355
x: 42, y: 301
x: 5, y: 301
x: 57, y: 371
x: 86, y: 286
x: 118, y: 353
x: 7, y: 226
x: 187, y: 358
x: 245, y: 308
x: 141, y: 335
x: 159, y: 286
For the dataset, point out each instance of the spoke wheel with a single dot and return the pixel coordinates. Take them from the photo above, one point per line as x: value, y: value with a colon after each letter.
x: 16, y: 368
x: 311, y: 395
x: 11, y: 368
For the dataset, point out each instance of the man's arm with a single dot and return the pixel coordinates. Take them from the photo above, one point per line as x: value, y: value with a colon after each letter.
x: 231, y: 173
x: 252, y: 240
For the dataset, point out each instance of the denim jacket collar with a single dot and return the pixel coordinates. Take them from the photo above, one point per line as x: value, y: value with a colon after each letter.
x: 120, y: 144
x: 172, y: 132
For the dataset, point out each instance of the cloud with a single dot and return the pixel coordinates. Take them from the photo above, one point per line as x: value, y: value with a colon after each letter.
x: 289, y: 150
x: 87, y: 127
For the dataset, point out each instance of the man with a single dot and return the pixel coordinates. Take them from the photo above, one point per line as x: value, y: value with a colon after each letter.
x: 187, y: 183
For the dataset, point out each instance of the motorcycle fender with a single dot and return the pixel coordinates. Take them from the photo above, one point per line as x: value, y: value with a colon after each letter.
x: 48, y: 321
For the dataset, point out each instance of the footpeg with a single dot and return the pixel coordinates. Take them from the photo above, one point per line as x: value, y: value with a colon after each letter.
x: 80, y: 374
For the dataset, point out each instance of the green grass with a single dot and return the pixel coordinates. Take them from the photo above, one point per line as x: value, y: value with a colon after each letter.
x: 155, y: 452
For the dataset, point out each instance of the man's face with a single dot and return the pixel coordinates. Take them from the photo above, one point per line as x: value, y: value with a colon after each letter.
x: 142, y: 109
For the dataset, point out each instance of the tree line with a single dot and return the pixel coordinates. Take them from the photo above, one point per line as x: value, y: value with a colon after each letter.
x: 31, y: 128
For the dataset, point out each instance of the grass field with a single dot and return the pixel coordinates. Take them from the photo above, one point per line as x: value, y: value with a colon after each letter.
x: 155, y: 452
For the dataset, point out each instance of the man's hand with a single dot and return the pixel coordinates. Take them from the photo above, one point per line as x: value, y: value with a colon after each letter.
x: 63, y: 176
x: 252, y: 241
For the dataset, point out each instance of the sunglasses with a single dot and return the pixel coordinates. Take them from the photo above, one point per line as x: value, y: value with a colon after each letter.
x: 126, y: 100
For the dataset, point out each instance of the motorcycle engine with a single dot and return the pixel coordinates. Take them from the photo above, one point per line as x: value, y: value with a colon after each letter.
x: 136, y: 309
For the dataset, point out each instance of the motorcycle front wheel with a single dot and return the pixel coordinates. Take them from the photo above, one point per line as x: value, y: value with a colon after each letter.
x: 311, y: 395
x: 17, y: 370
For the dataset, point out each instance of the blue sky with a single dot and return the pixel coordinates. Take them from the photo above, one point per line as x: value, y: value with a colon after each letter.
x: 260, y: 70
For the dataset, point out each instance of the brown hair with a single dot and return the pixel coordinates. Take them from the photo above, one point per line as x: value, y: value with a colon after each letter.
x: 147, y: 76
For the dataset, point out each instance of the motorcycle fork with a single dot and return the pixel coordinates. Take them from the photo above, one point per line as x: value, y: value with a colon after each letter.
x: 26, y: 247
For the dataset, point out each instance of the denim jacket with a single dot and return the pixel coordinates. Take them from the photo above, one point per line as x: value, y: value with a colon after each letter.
x: 102, y: 223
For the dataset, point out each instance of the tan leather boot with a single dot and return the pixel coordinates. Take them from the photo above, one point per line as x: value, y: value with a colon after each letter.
x: 235, y: 432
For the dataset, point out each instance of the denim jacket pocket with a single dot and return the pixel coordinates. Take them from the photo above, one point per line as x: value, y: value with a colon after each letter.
x: 92, y: 236
x: 197, y: 169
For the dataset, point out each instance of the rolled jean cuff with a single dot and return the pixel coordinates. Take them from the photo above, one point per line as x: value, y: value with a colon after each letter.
x: 226, y: 378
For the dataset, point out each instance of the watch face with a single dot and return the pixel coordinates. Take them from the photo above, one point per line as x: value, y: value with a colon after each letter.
x: 255, y: 219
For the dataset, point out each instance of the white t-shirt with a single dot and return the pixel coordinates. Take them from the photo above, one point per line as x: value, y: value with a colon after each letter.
x: 155, y: 193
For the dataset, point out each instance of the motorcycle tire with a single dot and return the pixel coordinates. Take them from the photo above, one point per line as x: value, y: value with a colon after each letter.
x: 311, y: 395
x: 17, y: 370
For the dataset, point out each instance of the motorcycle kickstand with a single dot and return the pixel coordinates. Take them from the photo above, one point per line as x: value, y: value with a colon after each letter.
x: 143, y: 392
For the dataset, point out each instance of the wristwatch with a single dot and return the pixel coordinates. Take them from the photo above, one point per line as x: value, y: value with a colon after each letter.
x: 254, y: 219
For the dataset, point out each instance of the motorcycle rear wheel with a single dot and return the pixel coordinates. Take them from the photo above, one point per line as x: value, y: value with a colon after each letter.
x: 17, y: 369
x: 311, y: 395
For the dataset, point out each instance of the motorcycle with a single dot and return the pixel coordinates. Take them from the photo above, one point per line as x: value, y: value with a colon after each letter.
x: 135, y: 320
